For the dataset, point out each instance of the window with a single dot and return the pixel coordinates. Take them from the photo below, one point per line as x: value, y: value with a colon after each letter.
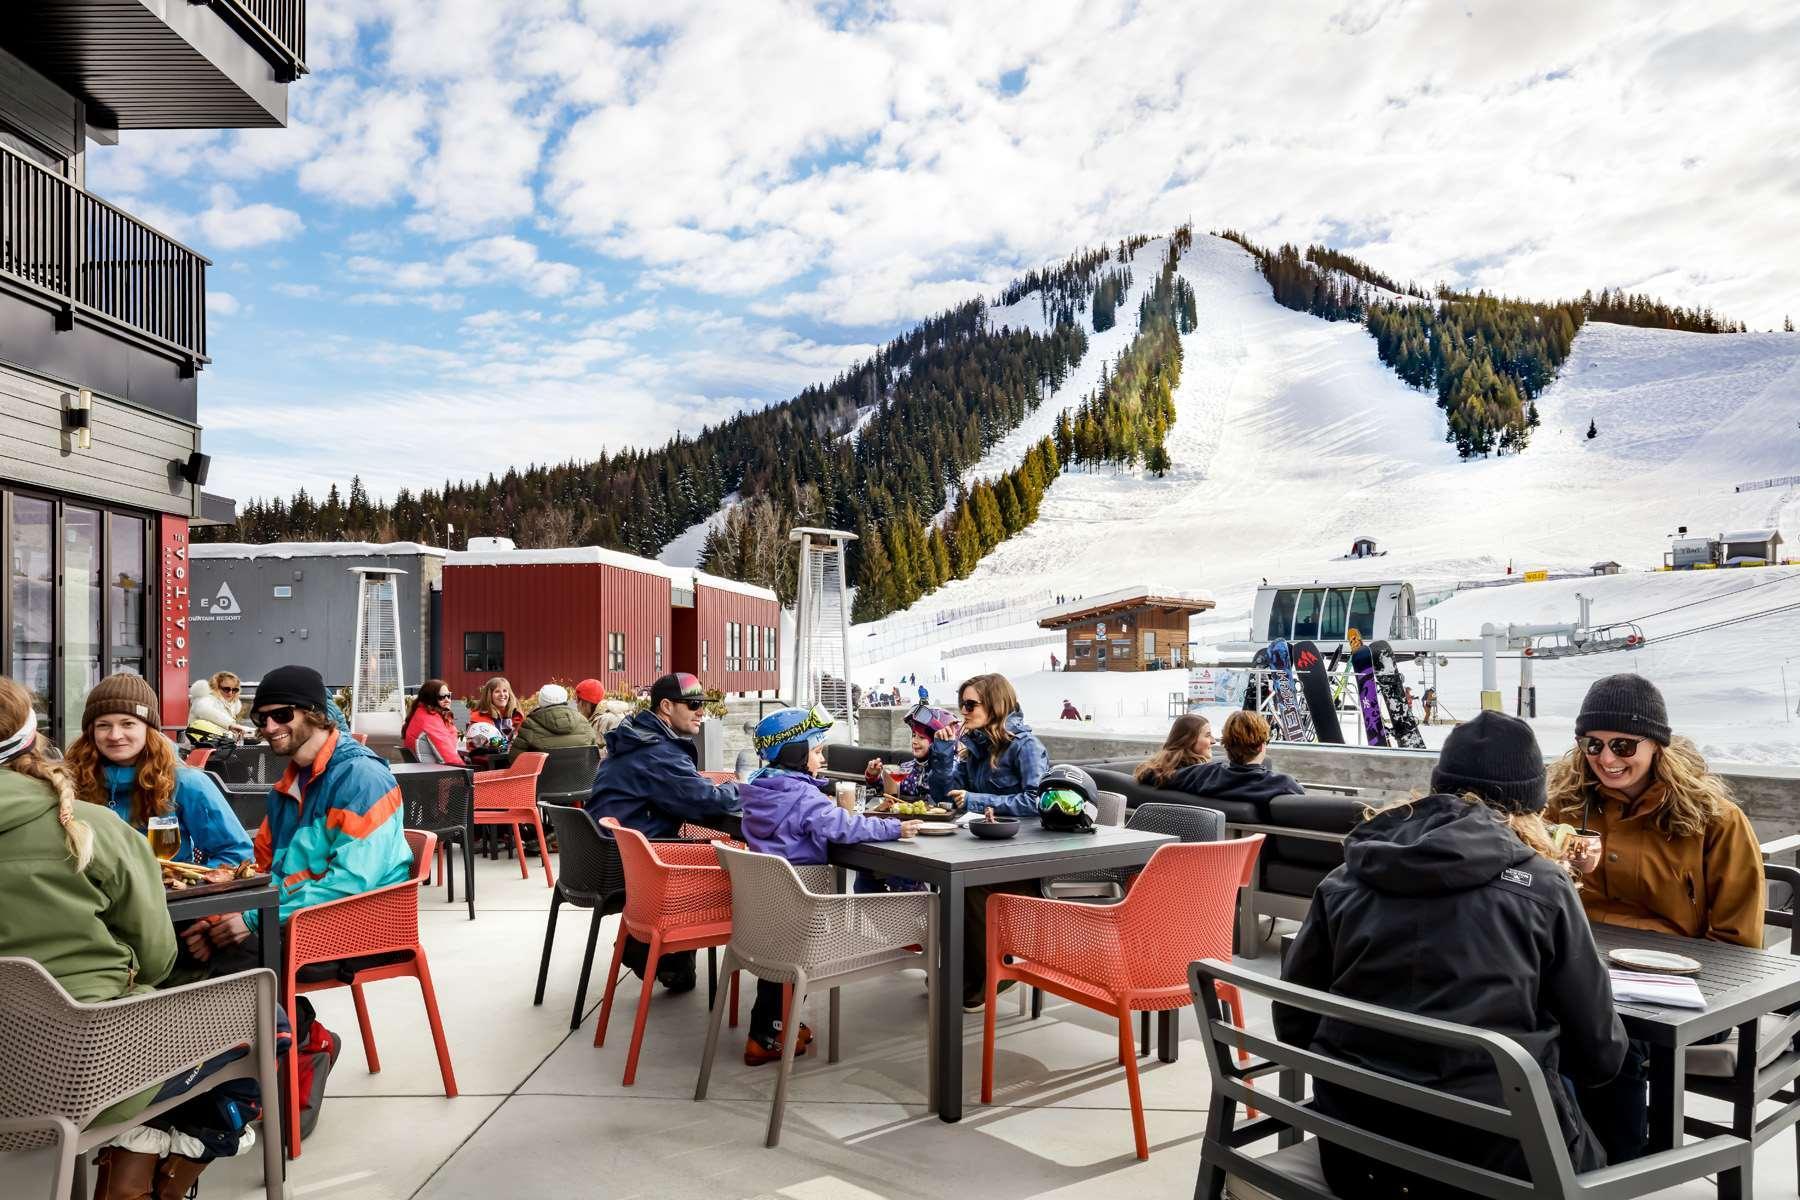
x: 1149, y: 643
x: 1083, y: 648
x: 32, y: 539
x: 1306, y: 615
x: 484, y: 652
x: 615, y: 651
x: 1337, y: 607
x: 1362, y: 611
x: 657, y: 654
x: 705, y: 656
x: 770, y: 657
x: 753, y: 659
x: 125, y: 610
x: 1281, y: 614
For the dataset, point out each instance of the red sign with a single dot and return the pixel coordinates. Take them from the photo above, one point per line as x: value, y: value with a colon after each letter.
x: 172, y: 538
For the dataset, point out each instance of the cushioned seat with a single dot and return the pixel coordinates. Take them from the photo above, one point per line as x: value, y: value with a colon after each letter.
x: 1298, y: 1163
x: 1773, y: 1034
x: 1136, y: 793
x: 1326, y: 814
x: 1293, y: 879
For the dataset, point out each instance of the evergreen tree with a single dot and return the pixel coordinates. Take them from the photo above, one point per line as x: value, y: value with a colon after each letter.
x: 1592, y: 431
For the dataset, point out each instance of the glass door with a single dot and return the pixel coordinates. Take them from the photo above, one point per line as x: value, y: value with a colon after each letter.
x: 31, y: 591
x: 83, y: 635
x: 127, y: 594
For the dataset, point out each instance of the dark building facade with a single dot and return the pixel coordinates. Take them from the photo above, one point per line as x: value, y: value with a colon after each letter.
x: 1132, y: 630
x: 103, y: 333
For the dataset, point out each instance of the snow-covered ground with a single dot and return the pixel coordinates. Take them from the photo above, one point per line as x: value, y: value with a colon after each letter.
x: 684, y: 549
x: 1292, y: 438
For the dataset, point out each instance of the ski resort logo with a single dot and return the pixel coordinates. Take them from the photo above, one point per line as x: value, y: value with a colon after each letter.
x: 1307, y: 658
x: 223, y: 606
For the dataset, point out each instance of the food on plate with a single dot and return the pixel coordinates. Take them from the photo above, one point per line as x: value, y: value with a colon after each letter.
x: 911, y: 808
x: 177, y: 876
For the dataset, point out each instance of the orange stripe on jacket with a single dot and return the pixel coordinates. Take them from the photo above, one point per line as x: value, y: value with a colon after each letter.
x: 264, y: 847
x: 302, y: 877
x: 361, y: 825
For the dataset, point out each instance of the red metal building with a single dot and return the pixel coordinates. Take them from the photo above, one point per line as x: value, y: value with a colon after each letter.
x: 538, y: 615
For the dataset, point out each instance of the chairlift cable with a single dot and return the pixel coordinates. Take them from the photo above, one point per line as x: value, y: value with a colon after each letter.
x: 1708, y: 599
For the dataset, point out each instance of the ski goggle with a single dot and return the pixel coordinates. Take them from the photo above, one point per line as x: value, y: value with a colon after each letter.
x: 1063, y: 799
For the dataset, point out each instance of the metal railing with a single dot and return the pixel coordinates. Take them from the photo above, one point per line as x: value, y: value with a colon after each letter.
x: 279, y: 24
x: 74, y: 247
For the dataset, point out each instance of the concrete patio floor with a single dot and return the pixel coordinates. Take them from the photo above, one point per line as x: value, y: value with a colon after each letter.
x: 542, y: 1111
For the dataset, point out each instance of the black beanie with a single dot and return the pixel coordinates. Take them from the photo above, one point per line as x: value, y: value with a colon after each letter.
x: 300, y: 686
x: 1496, y: 757
x: 1628, y: 703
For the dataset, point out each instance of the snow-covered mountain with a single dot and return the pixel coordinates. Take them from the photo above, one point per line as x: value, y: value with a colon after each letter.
x: 1292, y: 439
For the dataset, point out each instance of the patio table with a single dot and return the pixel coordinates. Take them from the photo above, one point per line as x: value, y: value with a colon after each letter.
x: 1741, y: 984
x: 955, y: 863
x: 185, y: 907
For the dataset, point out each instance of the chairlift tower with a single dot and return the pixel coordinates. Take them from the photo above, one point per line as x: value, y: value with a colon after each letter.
x: 377, y: 693
x: 822, y: 625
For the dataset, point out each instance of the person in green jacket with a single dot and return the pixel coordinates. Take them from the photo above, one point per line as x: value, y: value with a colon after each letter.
x: 81, y: 894
x: 553, y: 724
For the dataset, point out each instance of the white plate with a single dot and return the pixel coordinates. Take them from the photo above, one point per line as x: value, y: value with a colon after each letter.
x: 936, y: 829
x: 1660, y: 961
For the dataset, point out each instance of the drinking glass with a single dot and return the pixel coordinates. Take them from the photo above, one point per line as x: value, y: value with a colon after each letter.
x: 164, y: 833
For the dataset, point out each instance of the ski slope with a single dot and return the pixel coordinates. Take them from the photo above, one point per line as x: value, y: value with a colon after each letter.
x: 1292, y: 438
x: 685, y: 548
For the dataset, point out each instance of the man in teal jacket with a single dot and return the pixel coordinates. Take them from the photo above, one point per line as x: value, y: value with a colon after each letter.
x: 334, y: 825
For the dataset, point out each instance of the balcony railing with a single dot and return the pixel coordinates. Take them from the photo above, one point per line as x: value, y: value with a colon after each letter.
x: 279, y: 25
x: 89, y: 256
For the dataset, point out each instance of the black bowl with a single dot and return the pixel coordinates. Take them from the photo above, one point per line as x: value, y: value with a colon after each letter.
x: 996, y: 829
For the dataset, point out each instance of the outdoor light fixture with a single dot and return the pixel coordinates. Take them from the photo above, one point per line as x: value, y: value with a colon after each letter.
x: 194, y: 469
x: 75, y: 417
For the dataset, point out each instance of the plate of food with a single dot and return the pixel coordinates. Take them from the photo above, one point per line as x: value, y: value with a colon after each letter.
x: 911, y: 810
x: 933, y: 829
x: 191, y: 879
x: 1661, y: 962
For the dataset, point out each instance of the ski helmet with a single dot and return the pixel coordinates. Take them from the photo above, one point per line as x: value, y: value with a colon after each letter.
x: 785, y: 725
x: 927, y: 720
x: 1066, y: 797
x: 483, y: 733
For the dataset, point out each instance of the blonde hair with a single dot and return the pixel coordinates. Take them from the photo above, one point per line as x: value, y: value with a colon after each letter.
x: 15, y: 709
x: 486, y: 703
x: 153, y: 789
x: 1177, y: 751
x: 1693, y: 797
x: 1246, y: 733
x: 219, y: 677
x: 997, y: 696
x: 1529, y: 828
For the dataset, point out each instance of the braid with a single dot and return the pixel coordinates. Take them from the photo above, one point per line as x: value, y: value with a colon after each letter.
x: 79, y: 834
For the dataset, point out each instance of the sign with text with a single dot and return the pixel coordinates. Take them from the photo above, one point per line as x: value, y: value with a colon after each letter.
x: 172, y: 618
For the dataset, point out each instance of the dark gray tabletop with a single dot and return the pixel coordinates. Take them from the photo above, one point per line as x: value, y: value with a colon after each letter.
x: 1739, y: 983
x: 1034, y: 854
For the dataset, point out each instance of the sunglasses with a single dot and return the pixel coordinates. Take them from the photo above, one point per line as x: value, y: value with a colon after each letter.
x: 280, y: 716
x: 693, y: 705
x: 1622, y: 747
x: 225, y: 691
x: 970, y: 706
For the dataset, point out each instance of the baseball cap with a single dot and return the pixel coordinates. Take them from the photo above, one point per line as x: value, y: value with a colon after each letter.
x: 680, y: 687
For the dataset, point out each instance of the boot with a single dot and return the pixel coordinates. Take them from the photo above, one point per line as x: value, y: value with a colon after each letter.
x: 124, y: 1175
x: 175, y: 1176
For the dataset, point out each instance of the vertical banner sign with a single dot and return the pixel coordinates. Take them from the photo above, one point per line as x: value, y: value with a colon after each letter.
x: 172, y: 620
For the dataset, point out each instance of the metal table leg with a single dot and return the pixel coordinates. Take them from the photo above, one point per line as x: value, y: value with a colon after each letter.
x: 1168, y: 1035
x: 949, y: 1001
x: 1668, y: 1087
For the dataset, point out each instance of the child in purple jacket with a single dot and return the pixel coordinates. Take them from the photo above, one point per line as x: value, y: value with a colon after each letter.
x: 787, y: 811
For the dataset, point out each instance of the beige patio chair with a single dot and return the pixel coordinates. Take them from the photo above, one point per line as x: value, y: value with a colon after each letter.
x: 785, y: 933
x: 63, y: 1063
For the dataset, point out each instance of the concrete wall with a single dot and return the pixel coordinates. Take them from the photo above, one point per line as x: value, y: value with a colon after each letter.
x: 1771, y: 795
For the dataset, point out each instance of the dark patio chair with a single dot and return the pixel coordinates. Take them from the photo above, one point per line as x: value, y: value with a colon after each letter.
x: 591, y: 877
x: 249, y: 801
x: 442, y: 800
x: 1521, y: 1113
x: 568, y: 775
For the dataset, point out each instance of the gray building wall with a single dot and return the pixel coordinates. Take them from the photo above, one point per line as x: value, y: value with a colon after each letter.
x: 314, y: 625
x: 51, y: 117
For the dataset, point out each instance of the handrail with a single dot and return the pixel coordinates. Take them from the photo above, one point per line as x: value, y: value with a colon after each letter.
x: 94, y: 256
x: 279, y: 24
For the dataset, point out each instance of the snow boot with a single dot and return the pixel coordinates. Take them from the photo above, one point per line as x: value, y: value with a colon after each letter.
x: 176, y: 1175
x: 124, y: 1175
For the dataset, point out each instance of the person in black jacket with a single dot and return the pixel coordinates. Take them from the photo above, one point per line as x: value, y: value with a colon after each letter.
x: 1448, y: 907
x: 1244, y: 775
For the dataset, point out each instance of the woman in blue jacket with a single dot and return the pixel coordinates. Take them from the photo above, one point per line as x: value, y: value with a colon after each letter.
x: 999, y: 766
x: 123, y: 761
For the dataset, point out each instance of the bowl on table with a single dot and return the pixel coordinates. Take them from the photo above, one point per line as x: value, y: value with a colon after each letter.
x: 996, y: 829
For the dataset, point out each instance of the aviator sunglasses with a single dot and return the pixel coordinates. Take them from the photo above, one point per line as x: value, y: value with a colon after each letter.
x: 1622, y: 747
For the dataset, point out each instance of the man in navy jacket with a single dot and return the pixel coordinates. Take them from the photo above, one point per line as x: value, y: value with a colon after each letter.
x: 650, y: 781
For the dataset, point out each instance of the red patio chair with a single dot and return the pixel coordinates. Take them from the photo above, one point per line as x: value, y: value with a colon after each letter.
x: 508, y: 796
x: 1127, y: 957
x: 196, y: 758
x: 677, y: 898
x: 383, y: 922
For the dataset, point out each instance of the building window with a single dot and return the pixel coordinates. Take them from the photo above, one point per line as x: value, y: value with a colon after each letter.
x: 657, y: 655
x: 753, y: 658
x: 1149, y: 643
x: 1306, y: 616
x: 771, y: 659
x: 1083, y: 648
x: 615, y: 652
x: 705, y: 656
x: 484, y: 652
x: 126, y: 605
x: 734, y: 645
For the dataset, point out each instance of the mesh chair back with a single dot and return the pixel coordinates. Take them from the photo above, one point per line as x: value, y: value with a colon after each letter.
x: 1183, y: 907
x: 513, y: 786
x: 673, y: 893
x: 568, y: 774
x: 1111, y: 806
x: 59, y: 1058
x: 1521, y: 1111
x: 377, y: 922
x: 249, y: 802
x: 439, y: 800
x: 248, y: 764
x: 778, y: 928
x: 1189, y: 822
x: 592, y: 872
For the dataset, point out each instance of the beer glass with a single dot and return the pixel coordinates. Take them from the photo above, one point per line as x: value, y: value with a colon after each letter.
x: 165, y: 836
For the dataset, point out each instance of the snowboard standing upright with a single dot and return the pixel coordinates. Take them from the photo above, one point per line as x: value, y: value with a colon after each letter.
x: 1253, y: 689
x: 1392, y: 686
x: 1315, y: 685
x: 1368, y: 691
x: 1289, y: 716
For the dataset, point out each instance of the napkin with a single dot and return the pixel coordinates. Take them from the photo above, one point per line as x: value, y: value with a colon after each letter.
x: 1642, y: 987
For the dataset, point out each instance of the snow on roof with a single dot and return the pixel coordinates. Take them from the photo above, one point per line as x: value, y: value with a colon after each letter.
x: 1751, y: 535
x: 312, y: 550
x: 1141, y: 594
x: 719, y: 582
x: 576, y: 555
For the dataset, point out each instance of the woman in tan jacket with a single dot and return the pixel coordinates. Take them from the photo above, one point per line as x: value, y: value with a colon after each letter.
x: 1674, y: 855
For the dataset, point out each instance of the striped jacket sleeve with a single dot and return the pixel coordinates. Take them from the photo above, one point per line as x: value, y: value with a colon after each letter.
x: 360, y: 846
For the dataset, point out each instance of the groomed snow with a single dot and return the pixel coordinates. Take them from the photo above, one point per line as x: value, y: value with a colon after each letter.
x: 685, y: 548
x: 1292, y: 439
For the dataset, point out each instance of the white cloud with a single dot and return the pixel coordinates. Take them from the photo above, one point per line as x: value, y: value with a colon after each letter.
x: 233, y: 226
x: 489, y: 261
x: 222, y: 304
x: 435, y: 301
x: 299, y: 291
x: 373, y: 150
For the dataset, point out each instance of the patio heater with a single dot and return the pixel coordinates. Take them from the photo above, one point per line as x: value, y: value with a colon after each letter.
x: 822, y: 625
x: 377, y: 684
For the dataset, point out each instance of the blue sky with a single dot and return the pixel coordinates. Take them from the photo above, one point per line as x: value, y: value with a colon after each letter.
x: 504, y: 231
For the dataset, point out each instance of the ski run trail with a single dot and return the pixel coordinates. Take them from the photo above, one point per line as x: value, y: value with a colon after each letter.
x: 1292, y: 439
